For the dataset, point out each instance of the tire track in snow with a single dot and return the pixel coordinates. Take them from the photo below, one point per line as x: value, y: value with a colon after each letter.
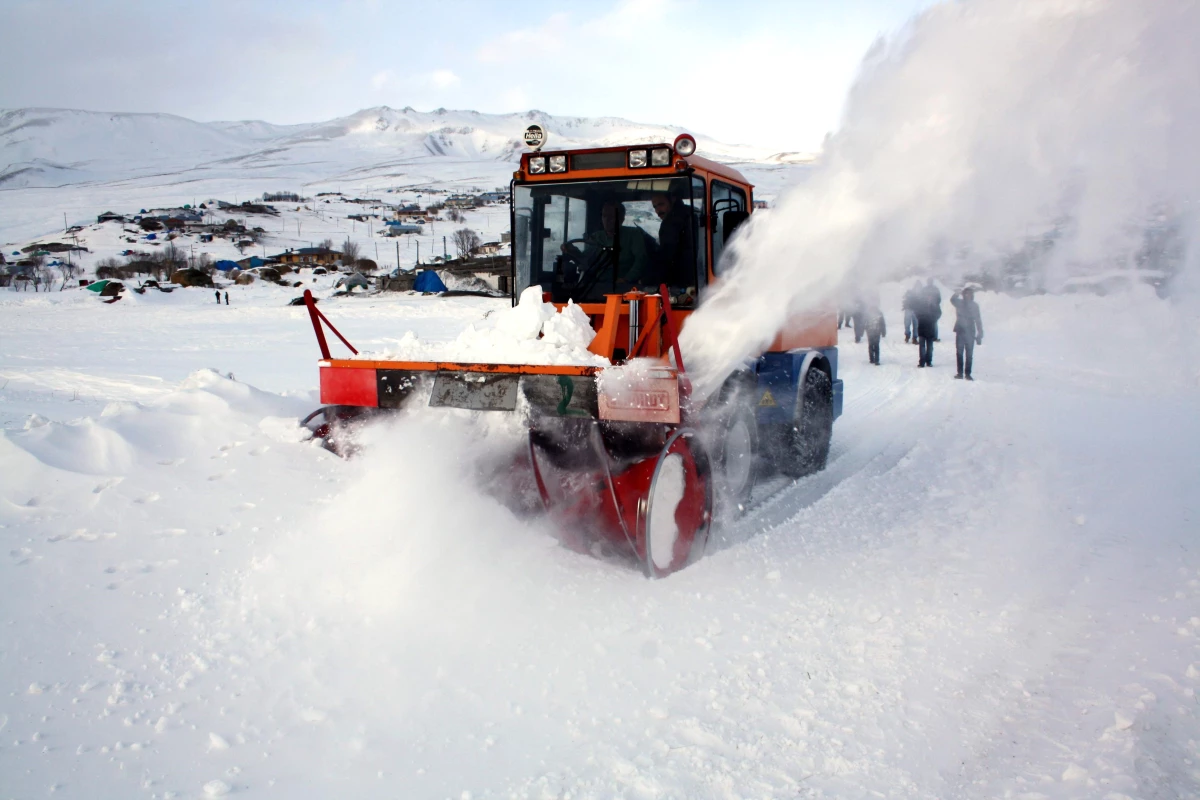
x: 879, y: 426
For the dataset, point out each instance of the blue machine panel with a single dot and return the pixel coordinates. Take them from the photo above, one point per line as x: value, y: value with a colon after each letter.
x: 778, y: 384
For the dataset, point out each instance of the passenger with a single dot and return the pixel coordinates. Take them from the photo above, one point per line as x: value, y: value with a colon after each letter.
x: 968, y: 330
x: 635, y: 260
x: 676, y: 241
x: 875, y: 328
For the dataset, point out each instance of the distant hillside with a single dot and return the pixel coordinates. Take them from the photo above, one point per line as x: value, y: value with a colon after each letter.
x: 57, y: 147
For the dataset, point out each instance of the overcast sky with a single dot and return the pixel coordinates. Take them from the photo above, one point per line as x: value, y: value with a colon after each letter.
x: 743, y: 71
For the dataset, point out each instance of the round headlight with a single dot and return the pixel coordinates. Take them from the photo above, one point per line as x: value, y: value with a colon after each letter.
x: 660, y: 157
x: 685, y: 145
x: 637, y: 159
x: 558, y: 163
x: 537, y: 165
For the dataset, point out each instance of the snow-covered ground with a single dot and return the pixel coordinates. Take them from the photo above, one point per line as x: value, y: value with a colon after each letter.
x: 993, y: 590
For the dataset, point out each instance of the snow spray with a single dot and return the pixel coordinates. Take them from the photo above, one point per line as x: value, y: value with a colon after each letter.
x: 981, y: 128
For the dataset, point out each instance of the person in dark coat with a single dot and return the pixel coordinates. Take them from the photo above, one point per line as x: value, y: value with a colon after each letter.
x: 675, y: 259
x: 218, y: 294
x: 968, y: 330
x: 927, y: 309
x: 227, y: 298
x: 875, y: 327
x: 934, y: 296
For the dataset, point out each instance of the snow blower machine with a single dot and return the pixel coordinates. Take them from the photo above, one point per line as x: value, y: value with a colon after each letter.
x: 623, y: 456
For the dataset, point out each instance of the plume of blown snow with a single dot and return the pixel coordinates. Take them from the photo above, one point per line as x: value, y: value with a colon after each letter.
x: 983, y: 127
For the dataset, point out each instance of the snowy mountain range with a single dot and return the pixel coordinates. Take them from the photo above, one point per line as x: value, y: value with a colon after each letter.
x: 42, y: 148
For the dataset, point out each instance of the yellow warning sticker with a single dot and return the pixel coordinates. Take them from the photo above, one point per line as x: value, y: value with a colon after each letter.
x: 767, y: 400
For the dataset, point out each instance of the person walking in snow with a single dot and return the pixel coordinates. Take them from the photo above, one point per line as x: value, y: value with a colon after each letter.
x: 218, y: 294
x: 934, y: 297
x: 226, y: 298
x: 875, y: 327
x: 927, y: 315
x: 909, y: 305
x: 968, y: 330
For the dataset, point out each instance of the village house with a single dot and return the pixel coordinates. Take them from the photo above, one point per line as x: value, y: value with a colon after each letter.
x: 461, y: 201
x: 308, y: 257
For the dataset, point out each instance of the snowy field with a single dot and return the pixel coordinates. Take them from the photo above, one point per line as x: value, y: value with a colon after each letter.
x: 993, y: 590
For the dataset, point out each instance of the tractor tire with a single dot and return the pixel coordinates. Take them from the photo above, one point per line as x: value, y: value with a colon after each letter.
x: 732, y: 439
x: 805, y: 444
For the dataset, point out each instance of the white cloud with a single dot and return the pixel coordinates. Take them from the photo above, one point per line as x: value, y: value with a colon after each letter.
x: 381, y: 79
x: 630, y: 19
x: 443, y: 79
x: 516, y: 99
x: 527, y: 43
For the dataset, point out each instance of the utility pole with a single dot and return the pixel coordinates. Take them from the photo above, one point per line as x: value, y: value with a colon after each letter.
x: 444, y: 254
x: 397, y: 254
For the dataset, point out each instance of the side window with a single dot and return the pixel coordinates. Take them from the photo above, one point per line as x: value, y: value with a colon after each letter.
x: 724, y: 198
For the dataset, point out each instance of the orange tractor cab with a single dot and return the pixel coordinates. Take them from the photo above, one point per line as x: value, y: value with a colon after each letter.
x: 623, y: 455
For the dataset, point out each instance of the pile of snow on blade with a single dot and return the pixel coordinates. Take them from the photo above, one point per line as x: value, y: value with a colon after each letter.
x: 532, y: 332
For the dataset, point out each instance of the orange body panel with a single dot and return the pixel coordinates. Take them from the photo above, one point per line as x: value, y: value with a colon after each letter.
x: 605, y: 340
x: 611, y: 323
x: 814, y: 330
x: 677, y: 166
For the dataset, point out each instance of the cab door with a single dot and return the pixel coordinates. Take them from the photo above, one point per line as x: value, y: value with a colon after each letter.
x: 729, y: 209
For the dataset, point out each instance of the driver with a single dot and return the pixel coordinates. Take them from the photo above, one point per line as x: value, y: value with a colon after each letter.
x: 635, y: 260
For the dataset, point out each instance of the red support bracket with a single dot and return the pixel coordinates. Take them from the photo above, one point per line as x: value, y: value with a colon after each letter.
x: 672, y: 333
x: 317, y: 318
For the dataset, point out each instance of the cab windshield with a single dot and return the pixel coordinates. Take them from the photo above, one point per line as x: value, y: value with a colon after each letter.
x: 580, y: 241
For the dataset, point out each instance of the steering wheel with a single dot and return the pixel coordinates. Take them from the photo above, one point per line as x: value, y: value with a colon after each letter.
x: 591, y: 272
